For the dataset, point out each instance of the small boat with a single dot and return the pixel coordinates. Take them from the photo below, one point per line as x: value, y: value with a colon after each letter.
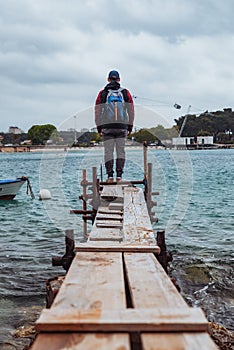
x: 10, y: 187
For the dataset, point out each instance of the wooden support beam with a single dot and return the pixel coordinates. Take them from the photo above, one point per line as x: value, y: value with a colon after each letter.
x: 177, y: 341
x: 81, y: 341
x: 81, y: 211
x: 87, y: 247
x: 128, y: 320
x: 109, y: 224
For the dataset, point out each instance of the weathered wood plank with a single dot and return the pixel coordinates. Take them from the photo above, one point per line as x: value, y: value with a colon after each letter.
x: 105, y: 210
x: 104, y: 229
x: 109, y: 224
x: 121, y: 247
x: 94, y: 281
x: 106, y: 234
x: 130, y: 320
x: 79, y: 341
x: 182, y: 341
x: 137, y: 226
x: 116, y: 206
x: 149, y: 284
x: 112, y: 192
x: 102, y: 216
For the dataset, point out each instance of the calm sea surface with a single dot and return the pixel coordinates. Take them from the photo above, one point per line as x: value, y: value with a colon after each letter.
x: 195, y: 207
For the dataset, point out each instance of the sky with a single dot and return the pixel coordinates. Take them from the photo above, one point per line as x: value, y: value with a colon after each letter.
x: 55, y: 56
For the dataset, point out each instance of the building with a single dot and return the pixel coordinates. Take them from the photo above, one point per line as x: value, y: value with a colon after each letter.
x: 15, y: 130
x: 183, y: 141
x: 192, y: 141
x: 205, y: 140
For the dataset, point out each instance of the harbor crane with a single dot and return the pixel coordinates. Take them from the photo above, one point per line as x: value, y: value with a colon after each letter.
x: 185, y: 120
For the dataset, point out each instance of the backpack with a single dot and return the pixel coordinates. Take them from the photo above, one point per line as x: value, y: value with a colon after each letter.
x: 114, y: 111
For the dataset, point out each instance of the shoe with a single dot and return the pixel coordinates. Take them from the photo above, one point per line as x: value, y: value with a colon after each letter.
x: 110, y: 180
x: 118, y: 179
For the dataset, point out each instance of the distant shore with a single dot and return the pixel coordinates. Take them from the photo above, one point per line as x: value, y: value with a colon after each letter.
x: 66, y: 148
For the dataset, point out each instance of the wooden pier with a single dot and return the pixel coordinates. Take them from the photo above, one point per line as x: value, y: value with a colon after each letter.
x: 116, y: 295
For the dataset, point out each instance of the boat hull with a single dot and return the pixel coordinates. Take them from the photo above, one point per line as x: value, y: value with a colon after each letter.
x: 10, y: 188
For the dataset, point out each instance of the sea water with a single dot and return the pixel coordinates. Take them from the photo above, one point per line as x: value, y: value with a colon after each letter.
x: 194, y: 207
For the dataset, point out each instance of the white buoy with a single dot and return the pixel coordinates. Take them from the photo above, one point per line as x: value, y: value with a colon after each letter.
x: 44, y: 194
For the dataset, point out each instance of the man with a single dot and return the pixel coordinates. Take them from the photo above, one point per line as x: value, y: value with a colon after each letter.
x: 114, y: 117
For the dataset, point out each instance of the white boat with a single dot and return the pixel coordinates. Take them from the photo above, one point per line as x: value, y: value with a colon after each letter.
x: 10, y: 187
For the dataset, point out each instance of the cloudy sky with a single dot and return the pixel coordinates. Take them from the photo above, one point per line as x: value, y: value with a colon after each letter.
x: 55, y: 56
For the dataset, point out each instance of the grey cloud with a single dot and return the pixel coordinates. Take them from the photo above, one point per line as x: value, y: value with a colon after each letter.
x: 55, y: 55
x: 170, y: 19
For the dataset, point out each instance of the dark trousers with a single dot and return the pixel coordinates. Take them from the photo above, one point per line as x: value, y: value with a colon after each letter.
x: 114, y: 140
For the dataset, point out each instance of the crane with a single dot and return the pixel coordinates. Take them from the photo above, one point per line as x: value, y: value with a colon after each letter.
x: 185, y: 120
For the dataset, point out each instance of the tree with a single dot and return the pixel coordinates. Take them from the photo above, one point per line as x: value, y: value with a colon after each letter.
x: 204, y: 133
x: 163, y: 134
x: 144, y: 135
x: 209, y: 123
x: 39, y: 134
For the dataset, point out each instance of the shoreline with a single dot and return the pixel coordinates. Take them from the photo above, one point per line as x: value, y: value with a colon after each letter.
x: 67, y: 148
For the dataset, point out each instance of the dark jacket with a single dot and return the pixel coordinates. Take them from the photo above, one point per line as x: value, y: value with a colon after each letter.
x: 101, y: 100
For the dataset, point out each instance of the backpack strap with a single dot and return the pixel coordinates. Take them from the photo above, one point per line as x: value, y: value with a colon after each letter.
x: 104, y: 94
x: 125, y: 95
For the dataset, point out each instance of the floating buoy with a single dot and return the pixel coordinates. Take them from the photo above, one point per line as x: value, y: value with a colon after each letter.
x: 44, y: 194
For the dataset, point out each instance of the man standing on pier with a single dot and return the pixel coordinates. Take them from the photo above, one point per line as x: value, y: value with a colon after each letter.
x: 114, y: 117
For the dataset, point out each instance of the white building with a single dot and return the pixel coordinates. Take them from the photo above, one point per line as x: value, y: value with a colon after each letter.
x: 15, y: 130
x: 205, y: 140
x: 182, y: 141
x: 188, y: 141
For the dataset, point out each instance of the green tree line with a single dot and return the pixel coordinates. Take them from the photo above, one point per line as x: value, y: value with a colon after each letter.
x: 219, y: 124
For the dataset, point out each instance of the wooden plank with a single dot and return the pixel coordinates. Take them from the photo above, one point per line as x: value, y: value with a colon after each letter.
x: 101, y: 216
x: 116, y: 206
x: 156, y: 289
x: 121, y: 247
x: 105, y: 234
x: 105, y: 210
x: 137, y: 225
x: 111, y: 224
x: 112, y: 192
x: 181, y: 341
x: 81, y: 341
x: 94, y: 281
x: 149, y: 285
x: 130, y: 320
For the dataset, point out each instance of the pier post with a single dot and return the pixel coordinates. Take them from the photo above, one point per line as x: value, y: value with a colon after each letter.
x: 145, y: 159
x: 164, y: 257
x: 149, y: 187
x: 84, y: 198
x: 95, y: 200
x: 66, y: 260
